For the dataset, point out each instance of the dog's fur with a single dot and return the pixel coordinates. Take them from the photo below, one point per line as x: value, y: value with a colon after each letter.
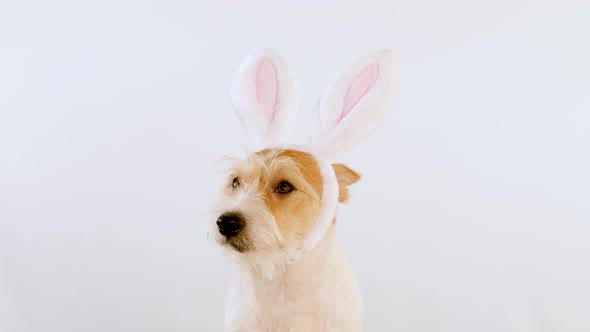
x: 279, y: 288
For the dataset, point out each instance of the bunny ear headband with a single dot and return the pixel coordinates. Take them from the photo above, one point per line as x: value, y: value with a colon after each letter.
x: 352, y: 107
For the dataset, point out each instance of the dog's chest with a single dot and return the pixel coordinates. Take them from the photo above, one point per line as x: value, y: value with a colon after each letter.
x: 278, y: 305
x: 318, y: 293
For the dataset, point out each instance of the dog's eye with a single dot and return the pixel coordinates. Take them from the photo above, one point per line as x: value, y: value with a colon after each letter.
x: 235, y: 183
x: 284, y: 188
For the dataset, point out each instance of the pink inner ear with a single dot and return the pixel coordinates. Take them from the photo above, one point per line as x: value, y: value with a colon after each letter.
x: 266, y: 87
x: 359, y: 87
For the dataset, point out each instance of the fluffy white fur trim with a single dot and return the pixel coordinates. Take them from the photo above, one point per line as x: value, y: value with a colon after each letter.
x: 328, y: 207
x: 266, y: 125
x: 338, y: 125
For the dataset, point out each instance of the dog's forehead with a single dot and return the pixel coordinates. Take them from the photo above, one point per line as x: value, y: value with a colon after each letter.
x: 269, y: 163
x: 287, y: 158
x: 269, y: 155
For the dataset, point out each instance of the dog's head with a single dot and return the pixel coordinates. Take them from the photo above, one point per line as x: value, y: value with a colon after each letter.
x: 271, y: 199
x: 284, y: 197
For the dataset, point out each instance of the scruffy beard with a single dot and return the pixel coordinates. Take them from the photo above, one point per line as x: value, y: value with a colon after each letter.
x: 267, y: 261
x: 259, y: 246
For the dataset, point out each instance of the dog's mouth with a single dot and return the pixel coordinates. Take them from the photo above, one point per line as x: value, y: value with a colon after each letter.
x: 238, y: 244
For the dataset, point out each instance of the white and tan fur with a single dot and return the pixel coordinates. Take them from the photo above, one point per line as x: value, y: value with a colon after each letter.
x: 278, y: 289
x: 277, y: 208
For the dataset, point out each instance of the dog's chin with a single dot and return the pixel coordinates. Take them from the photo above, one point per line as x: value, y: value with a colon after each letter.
x: 238, y: 244
x: 265, y: 260
x: 234, y: 245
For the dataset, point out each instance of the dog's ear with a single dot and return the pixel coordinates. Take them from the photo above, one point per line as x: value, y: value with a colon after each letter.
x: 346, y: 177
x: 263, y: 96
x: 355, y: 103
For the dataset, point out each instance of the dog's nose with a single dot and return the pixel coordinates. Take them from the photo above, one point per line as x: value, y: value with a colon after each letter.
x: 230, y: 224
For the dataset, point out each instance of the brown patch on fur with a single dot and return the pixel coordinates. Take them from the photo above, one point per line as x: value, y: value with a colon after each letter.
x: 308, y: 167
x: 346, y: 177
x: 296, y: 211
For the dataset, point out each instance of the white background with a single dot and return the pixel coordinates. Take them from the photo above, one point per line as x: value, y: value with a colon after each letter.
x: 473, y: 213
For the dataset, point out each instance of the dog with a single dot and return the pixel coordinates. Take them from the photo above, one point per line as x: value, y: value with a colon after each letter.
x: 275, y: 217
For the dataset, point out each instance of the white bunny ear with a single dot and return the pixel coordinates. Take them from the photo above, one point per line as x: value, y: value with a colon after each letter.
x: 263, y: 96
x: 356, y: 103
